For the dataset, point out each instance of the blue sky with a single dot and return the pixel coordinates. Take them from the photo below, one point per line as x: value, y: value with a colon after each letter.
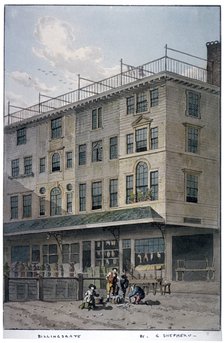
x: 47, y: 46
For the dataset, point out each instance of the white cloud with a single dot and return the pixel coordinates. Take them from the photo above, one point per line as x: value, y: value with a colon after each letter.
x: 26, y: 80
x: 15, y: 98
x: 58, y: 46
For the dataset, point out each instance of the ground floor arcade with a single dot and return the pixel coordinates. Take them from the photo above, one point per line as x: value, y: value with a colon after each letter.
x: 137, y: 242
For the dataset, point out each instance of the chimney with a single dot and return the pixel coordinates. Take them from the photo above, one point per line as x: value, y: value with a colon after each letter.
x: 214, y: 63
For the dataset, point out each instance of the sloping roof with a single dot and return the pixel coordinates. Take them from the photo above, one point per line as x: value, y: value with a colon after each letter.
x: 82, y: 221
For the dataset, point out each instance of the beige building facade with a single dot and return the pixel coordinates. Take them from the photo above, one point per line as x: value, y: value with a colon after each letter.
x: 127, y: 178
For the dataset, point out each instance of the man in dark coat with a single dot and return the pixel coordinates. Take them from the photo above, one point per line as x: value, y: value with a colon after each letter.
x: 136, y: 292
x: 124, y: 283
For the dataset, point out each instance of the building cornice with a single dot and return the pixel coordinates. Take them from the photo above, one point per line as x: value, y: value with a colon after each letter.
x: 122, y: 91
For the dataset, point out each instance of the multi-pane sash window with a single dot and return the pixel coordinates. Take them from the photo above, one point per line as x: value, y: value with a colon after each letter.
x: 131, y: 105
x: 130, y: 145
x: 96, y: 195
x: 55, y: 162
x: 94, y: 119
x: 129, y: 189
x: 142, y: 103
x: 113, y: 148
x: 97, y: 118
x: 192, y: 188
x: 56, y: 128
x: 70, y: 253
x: 141, y: 180
x: 14, y: 206
x: 28, y: 165
x: 55, y: 201
x: 192, y: 139
x: 69, y: 202
x: 27, y: 206
x: 82, y: 197
x: 21, y: 136
x: 69, y: 159
x: 42, y: 164
x: 97, y: 151
x: 154, y: 97
x: 42, y: 206
x: 141, y: 139
x: 113, y: 192
x: 50, y: 253
x: 154, y: 185
x: 154, y: 137
x: 137, y: 103
x: 15, y: 167
x: 82, y: 154
x: 193, y: 104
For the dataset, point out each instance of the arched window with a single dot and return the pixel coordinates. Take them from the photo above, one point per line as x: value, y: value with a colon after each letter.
x: 56, y: 162
x: 55, y: 201
x: 141, y: 181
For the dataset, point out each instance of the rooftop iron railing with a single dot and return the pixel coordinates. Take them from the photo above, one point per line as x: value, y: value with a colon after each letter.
x: 163, y: 64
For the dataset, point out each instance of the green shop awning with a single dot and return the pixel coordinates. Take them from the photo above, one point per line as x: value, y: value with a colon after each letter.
x: 83, y: 221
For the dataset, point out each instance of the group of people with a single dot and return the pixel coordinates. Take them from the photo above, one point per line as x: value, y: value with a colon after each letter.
x: 116, y: 291
x: 117, y: 287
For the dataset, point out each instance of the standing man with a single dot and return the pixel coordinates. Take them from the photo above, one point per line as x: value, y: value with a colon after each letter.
x: 124, y: 283
x: 111, y: 286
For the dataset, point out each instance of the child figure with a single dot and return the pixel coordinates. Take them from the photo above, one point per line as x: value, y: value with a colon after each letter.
x: 89, y: 298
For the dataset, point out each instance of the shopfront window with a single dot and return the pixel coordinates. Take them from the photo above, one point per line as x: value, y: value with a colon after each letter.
x: 106, y: 253
x: 149, y: 251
